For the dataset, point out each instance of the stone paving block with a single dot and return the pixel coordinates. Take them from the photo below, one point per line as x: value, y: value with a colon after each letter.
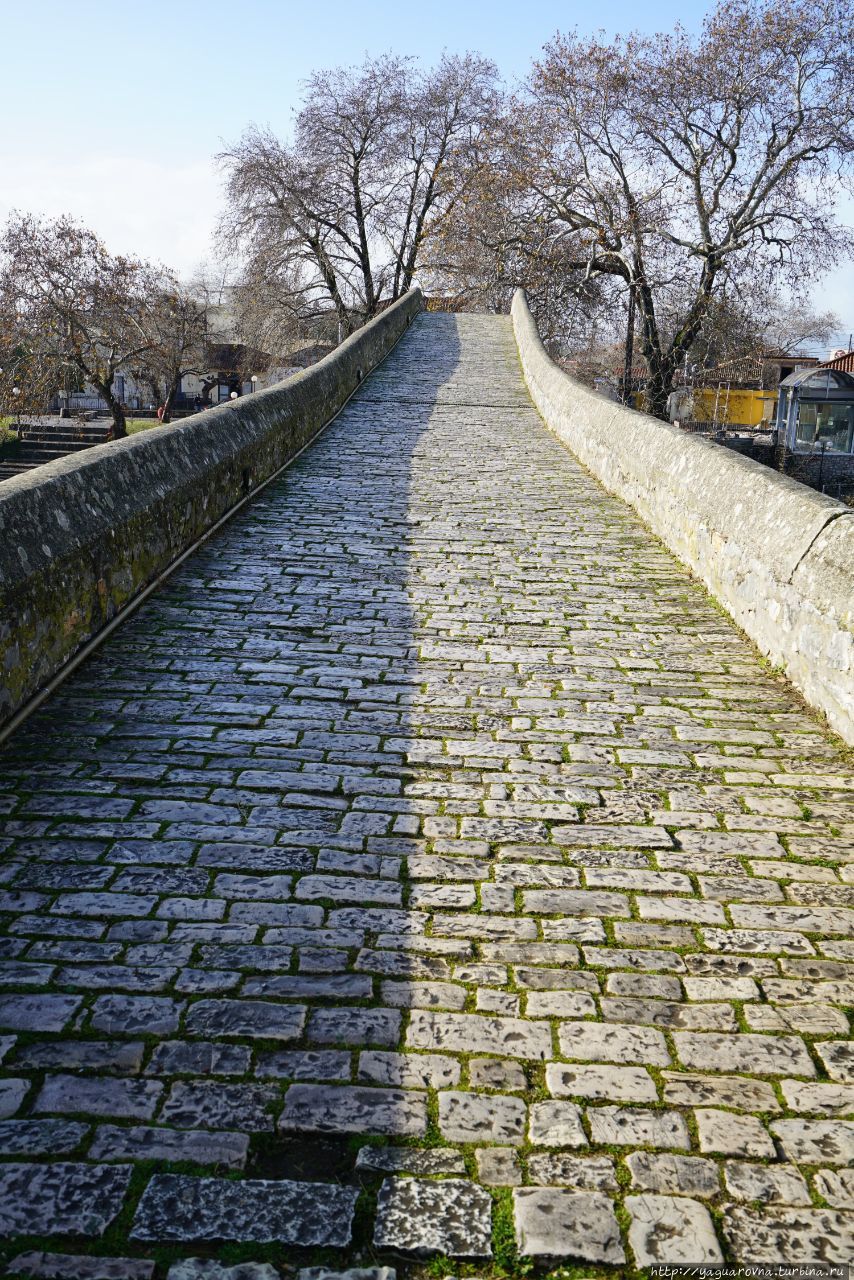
x: 116, y: 1056
x: 497, y: 1073
x: 571, y: 902
x: 352, y: 1273
x: 341, y: 1109
x: 628, y: 1127
x: 135, y: 1015
x: 394, y: 965
x: 209, y: 1104
x: 667, y: 1013
x: 359, y: 889
x: 304, y: 1064
x: 377, y: 920
x: 472, y: 1117
x: 250, y: 957
x: 425, y: 1218
x: 104, y: 904
x: 671, y: 1230
x: 777, y: 1235
x: 41, y: 1137
x: 838, y: 1058
x: 768, y: 1184
x: 656, y: 986
x: 409, y: 1070
x: 559, y: 1004
x: 341, y: 986
x: 306, y: 1214
x: 67, y: 1266
x: 739, y: 1093
x: 836, y: 1186
x: 547, y: 980
x: 428, y: 1163
x: 585, y: 1173
x: 181, y: 1057
x: 205, y: 981
x: 617, y: 1084
x: 139, y: 1142
x: 553, y: 1223
x: 60, y: 1199
x: 752, y: 1054
x: 556, y: 1124
x: 209, y: 1269
x: 37, y: 1012
x: 635, y: 958
x: 498, y: 1167
x: 816, y: 1141
x: 594, y: 1042
x: 423, y: 995
x: 354, y: 1026
x: 673, y: 1174
x: 500, y: 1002
x: 723, y: 1133
x: 12, y: 1094
x: 252, y: 1019
x: 99, y: 1096
x: 812, y: 1097
x: 472, y: 1033
x: 529, y: 953
x: 484, y: 926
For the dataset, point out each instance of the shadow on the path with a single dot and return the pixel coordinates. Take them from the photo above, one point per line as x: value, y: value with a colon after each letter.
x: 206, y: 830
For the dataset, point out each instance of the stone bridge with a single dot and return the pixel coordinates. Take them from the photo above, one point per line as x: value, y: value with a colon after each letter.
x: 429, y: 867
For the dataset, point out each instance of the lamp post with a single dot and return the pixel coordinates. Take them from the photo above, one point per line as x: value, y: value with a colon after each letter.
x: 16, y: 391
x: 254, y: 381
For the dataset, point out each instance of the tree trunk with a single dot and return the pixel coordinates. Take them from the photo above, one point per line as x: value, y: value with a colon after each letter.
x: 657, y: 389
x: 120, y: 429
x: 116, y: 409
x: 171, y: 393
x: 660, y: 363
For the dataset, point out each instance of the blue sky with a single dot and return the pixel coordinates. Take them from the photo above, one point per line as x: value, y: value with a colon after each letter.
x: 119, y: 108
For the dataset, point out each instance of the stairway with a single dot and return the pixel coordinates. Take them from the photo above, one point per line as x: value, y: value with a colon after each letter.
x: 51, y: 438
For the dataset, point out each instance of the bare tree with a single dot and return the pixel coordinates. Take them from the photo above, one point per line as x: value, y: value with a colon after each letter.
x: 29, y: 375
x: 497, y: 237
x: 176, y: 324
x: 337, y: 218
x: 679, y: 163
x: 84, y: 310
x: 753, y: 324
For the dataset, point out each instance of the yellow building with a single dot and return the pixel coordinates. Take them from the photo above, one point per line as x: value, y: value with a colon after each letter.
x: 735, y: 406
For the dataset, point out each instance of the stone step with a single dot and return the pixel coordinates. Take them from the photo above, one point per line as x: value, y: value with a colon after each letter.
x: 10, y: 469
x: 55, y: 439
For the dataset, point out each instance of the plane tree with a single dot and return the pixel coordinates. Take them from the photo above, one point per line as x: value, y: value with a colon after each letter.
x: 83, y: 312
x: 669, y: 170
x: 336, y: 217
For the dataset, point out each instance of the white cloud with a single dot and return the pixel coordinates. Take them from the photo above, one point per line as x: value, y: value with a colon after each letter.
x: 165, y: 210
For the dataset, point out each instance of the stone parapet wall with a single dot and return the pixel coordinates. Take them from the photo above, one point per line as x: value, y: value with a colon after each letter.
x: 82, y: 536
x: 778, y: 556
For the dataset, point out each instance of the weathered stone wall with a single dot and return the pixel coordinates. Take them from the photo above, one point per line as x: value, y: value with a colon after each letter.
x: 80, y: 537
x: 778, y: 556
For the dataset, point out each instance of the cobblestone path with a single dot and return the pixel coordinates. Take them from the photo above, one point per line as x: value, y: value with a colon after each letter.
x: 430, y: 838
